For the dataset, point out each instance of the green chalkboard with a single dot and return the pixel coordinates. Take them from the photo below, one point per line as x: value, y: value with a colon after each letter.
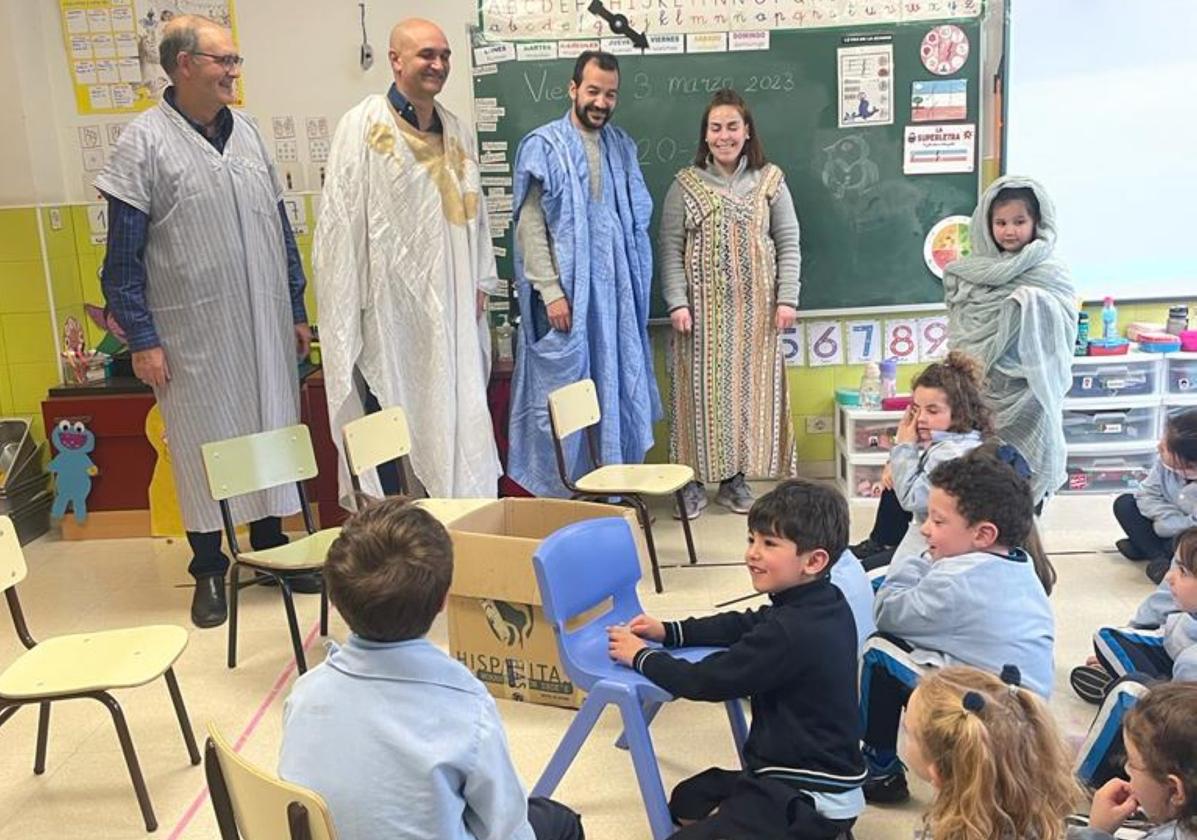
x: 863, y: 221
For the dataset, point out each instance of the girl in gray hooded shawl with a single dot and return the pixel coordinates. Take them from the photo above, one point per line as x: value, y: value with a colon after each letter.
x: 1012, y: 305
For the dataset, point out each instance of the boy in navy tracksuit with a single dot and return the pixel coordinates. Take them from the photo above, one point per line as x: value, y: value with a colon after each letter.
x: 796, y: 659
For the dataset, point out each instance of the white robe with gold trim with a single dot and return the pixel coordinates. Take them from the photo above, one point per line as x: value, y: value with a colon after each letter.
x: 401, y: 247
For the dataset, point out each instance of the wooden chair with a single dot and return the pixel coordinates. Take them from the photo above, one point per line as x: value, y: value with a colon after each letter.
x: 87, y: 665
x: 250, y: 464
x: 575, y: 408
x: 251, y: 804
x: 376, y: 439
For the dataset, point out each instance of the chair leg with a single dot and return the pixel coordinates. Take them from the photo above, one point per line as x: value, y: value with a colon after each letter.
x: 323, y: 608
x: 122, y: 733
x: 43, y: 735
x: 234, y: 588
x: 739, y: 726
x: 293, y: 625
x: 571, y: 742
x: 7, y: 712
x: 648, y: 774
x: 218, y: 792
x: 176, y: 697
x: 681, y: 505
x: 646, y: 524
x: 650, y: 712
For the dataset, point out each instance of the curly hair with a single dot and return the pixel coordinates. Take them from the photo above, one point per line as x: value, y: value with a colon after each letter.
x: 962, y: 379
x: 1003, y: 769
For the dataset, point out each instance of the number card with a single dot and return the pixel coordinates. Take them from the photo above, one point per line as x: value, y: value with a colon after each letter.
x: 791, y: 346
x: 901, y: 341
x: 864, y: 341
x: 824, y: 343
x: 933, y: 338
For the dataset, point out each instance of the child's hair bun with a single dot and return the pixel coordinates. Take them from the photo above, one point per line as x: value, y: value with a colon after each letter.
x: 965, y: 364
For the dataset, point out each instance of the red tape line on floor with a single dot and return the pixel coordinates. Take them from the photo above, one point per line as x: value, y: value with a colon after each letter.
x: 248, y: 731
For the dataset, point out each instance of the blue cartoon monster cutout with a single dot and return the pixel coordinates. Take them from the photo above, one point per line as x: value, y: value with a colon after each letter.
x: 72, y: 468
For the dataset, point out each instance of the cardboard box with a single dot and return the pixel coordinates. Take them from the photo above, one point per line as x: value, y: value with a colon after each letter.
x: 496, y: 626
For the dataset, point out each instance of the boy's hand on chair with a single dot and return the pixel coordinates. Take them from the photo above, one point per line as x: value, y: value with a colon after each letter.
x: 647, y: 627
x: 1112, y: 805
x: 623, y: 644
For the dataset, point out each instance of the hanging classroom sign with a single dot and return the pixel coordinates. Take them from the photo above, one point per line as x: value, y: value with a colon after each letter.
x: 939, y: 149
x: 866, y: 84
x: 946, y: 242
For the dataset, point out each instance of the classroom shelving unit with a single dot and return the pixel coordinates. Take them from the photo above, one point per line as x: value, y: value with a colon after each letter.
x: 1114, y: 414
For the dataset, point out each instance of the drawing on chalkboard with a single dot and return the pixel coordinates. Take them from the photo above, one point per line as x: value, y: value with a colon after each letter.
x: 848, y: 169
x: 866, y: 84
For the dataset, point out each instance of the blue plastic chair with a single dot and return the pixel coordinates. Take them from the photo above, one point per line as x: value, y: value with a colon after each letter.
x: 578, y: 568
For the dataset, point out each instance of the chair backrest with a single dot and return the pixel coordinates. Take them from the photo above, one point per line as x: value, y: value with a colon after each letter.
x: 12, y: 559
x: 259, y: 461
x: 261, y: 805
x: 376, y: 438
x: 582, y: 565
x: 573, y: 408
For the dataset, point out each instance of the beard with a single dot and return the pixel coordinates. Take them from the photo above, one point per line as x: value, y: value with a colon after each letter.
x: 591, y: 117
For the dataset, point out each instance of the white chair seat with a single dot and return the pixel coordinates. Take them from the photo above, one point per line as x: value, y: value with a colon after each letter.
x: 93, y: 662
x: 650, y: 479
x: 307, y: 552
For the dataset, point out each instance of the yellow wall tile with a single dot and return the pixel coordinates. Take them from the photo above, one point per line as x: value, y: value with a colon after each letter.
x: 61, y: 242
x: 22, y: 287
x: 82, y: 231
x: 18, y: 235
x: 28, y: 338
x: 30, y: 382
x: 89, y: 278
x: 64, y: 277
x: 6, y: 408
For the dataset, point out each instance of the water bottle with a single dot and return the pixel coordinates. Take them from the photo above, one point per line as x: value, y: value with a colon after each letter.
x: 1082, y: 334
x: 889, y: 378
x: 504, y: 351
x: 1109, y: 318
x: 1178, y: 319
x: 870, y: 387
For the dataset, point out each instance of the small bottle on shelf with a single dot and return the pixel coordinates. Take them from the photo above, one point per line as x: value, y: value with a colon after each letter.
x: 870, y: 387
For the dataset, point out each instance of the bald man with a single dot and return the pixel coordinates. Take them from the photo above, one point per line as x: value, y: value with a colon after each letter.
x: 403, y: 263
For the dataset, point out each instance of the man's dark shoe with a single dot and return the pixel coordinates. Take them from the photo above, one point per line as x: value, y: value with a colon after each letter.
x: 208, y: 605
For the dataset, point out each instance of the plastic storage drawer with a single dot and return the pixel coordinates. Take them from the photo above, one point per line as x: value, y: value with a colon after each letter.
x: 873, y: 435
x: 860, y: 481
x: 1125, y: 425
x: 1123, y: 378
x: 1182, y: 374
x: 1107, y: 473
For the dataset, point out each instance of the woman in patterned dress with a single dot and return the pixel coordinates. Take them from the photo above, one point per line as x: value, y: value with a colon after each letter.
x: 730, y: 263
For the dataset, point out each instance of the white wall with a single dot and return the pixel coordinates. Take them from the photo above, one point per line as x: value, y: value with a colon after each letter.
x: 301, y: 60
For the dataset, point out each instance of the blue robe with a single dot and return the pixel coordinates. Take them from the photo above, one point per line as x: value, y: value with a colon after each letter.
x: 604, y: 260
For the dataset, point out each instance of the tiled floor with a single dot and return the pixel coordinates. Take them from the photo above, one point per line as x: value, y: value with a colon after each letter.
x: 85, y: 792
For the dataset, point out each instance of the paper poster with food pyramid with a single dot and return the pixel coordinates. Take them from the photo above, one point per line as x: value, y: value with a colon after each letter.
x: 946, y: 242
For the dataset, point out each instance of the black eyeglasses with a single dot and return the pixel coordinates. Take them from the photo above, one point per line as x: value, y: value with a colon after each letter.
x: 228, y: 62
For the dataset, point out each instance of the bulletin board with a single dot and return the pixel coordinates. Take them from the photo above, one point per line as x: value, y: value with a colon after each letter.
x: 112, y: 49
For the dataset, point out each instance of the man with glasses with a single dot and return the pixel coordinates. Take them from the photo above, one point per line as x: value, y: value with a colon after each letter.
x: 403, y: 263
x: 203, y: 274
